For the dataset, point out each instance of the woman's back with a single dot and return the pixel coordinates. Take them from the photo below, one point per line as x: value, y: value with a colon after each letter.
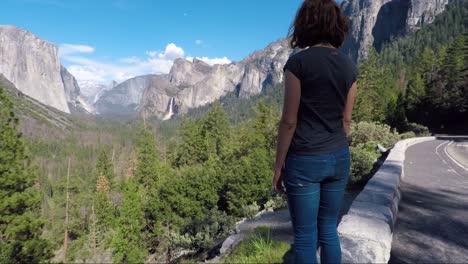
x: 326, y: 76
x: 313, y: 158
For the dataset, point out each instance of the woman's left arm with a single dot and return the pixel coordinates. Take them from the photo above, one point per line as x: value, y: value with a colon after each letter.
x: 287, y: 127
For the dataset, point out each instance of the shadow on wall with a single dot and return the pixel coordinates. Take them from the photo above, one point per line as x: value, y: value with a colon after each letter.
x: 442, y: 208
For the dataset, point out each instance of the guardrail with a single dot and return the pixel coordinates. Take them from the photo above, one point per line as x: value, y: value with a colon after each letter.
x: 366, y: 231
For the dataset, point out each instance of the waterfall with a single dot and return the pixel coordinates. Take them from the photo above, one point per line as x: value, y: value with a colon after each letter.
x: 171, y: 106
x: 170, y: 109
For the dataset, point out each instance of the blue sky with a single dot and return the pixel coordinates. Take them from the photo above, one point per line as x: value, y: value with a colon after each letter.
x: 102, y: 40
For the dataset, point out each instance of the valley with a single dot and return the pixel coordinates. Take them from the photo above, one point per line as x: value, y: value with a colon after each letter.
x: 161, y: 164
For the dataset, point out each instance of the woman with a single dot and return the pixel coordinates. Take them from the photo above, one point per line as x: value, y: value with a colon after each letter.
x: 313, y: 157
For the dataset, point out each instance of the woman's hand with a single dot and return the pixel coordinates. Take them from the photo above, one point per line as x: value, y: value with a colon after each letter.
x: 278, y: 179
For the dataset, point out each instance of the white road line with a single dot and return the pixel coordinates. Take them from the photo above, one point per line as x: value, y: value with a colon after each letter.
x: 437, y: 153
x: 453, y: 159
x: 443, y: 160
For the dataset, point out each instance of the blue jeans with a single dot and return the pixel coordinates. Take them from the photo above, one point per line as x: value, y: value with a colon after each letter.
x: 315, y: 187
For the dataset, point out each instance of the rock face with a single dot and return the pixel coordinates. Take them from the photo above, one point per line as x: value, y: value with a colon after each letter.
x: 264, y: 68
x: 374, y: 22
x: 73, y: 93
x: 126, y: 97
x: 424, y: 12
x: 72, y: 89
x: 33, y: 66
x: 194, y: 84
x: 92, y: 91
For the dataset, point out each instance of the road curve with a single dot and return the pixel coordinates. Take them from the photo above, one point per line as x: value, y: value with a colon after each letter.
x: 458, y: 150
x: 432, y: 223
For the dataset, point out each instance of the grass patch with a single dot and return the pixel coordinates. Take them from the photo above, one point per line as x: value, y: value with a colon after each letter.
x: 259, y: 248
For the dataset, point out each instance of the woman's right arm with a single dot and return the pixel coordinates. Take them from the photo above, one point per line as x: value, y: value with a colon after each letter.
x: 348, y: 111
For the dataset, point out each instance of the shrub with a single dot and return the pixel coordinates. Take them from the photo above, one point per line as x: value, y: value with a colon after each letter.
x: 276, y: 202
x: 418, y: 129
x: 202, y: 234
x: 250, y: 210
x: 364, y: 132
x: 407, y: 135
x: 362, y: 163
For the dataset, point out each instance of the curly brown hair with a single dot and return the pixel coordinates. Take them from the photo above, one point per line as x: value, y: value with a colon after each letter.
x: 318, y: 22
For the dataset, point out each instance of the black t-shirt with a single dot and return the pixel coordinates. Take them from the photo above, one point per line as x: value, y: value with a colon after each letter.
x: 326, y: 76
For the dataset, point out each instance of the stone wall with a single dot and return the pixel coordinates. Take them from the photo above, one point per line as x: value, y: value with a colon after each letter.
x: 366, y: 231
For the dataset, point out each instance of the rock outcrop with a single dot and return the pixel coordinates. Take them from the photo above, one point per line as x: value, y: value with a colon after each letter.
x: 374, y: 22
x: 126, y: 97
x: 194, y: 84
x: 423, y: 12
x: 73, y: 93
x: 92, y: 91
x: 33, y: 66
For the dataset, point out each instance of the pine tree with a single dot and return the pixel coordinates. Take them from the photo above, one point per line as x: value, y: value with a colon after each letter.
x: 396, y: 116
x: 148, y: 174
x: 373, y: 90
x: 128, y: 241
x: 104, y: 167
x: 190, y: 148
x: 450, y: 88
x: 415, y: 92
x: 249, y: 175
x: 104, y: 208
x: 193, y: 192
x: 20, y: 221
x: 266, y: 123
x: 205, y: 139
x: 215, y: 132
x: 147, y: 166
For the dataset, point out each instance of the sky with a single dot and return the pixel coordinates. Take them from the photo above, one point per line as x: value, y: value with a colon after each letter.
x: 104, y: 40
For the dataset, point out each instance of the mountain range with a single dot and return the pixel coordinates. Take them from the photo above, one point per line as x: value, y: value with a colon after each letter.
x: 33, y: 66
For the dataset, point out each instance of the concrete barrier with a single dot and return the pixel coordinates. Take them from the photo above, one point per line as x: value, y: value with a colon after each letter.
x: 366, y: 231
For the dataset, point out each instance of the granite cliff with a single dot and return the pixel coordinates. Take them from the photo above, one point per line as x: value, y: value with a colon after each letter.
x: 374, y: 22
x: 192, y: 84
x: 33, y: 66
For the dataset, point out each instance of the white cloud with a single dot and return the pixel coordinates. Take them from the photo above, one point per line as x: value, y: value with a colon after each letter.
x: 66, y: 49
x: 156, y: 62
x: 152, y: 54
x: 198, y: 41
x: 86, y: 73
x: 211, y: 61
x: 171, y: 52
x: 131, y: 60
x: 85, y: 69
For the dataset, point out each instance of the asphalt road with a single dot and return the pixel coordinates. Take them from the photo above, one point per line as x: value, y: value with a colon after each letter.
x: 432, y: 223
x: 458, y: 151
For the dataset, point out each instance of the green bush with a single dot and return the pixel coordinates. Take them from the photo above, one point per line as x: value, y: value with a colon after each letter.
x: 5, y: 253
x: 362, y: 163
x: 417, y: 129
x: 407, y: 135
x: 250, y: 210
x: 202, y: 234
x: 365, y: 132
x: 365, y: 137
x: 276, y: 202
